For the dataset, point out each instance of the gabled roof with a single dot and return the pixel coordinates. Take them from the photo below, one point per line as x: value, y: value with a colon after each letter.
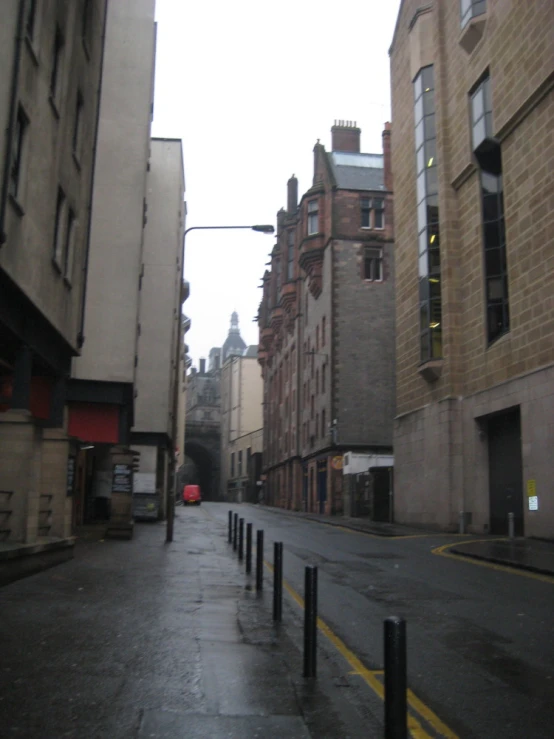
x: 354, y: 171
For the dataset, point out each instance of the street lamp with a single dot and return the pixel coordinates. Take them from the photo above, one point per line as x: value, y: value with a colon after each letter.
x: 265, y: 228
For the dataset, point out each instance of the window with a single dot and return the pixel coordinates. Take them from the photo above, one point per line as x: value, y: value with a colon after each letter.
x: 239, y: 464
x: 58, y: 245
x: 372, y: 212
x: 323, y: 331
x: 317, y: 338
x: 290, y: 255
x: 313, y: 217
x: 312, y: 407
x: 77, y: 127
x: 471, y: 8
x: 317, y: 426
x: 232, y: 464
x: 31, y: 20
x: 489, y: 157
x: 306, y: 310
x: 278, y: 278
x: 18, y: 151
x: 373, y: 264
x: 323, y: 377
x: 69, y: 246
x: 323, y: 429
x: 55, y: 75
x: 430, y: 303
x: 481, y: 113
x: 317, y: 382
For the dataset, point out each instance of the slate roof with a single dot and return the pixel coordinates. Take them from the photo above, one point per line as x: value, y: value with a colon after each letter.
x: 357, y: 171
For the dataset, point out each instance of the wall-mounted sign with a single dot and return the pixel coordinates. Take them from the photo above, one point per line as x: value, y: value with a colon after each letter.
x: 337, y: 463
x: 533, y: 503
x: 122, y: 479
x: 531, y: 488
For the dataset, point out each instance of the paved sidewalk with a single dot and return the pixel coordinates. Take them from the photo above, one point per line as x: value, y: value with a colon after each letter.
x: 529, y: 554
x: 141, y: 639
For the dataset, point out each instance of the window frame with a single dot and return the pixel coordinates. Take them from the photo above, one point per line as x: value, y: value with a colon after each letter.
x: 77, y: 140
x: 312, y: 210
x: 376, y: 258
x: 58, y: 241
x: 56, y: 71
x: 17, y: 155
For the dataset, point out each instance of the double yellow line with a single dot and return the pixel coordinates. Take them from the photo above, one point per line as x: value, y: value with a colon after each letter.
x: 371, y: 677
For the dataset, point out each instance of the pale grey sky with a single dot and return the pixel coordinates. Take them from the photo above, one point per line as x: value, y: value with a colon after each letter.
x: 250, y: 86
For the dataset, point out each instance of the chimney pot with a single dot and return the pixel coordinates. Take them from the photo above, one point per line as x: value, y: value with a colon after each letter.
x: 345, y: 137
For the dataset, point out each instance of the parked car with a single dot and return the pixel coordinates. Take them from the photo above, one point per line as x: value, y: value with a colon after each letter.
x: 191, y: 495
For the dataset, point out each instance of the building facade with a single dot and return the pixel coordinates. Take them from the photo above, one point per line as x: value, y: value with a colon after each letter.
x: 101, y: 393
x: 159, y: 412
x: 51, y: 56
x: 241, y: 426
x: 327, y: 326
x: 473, y: 104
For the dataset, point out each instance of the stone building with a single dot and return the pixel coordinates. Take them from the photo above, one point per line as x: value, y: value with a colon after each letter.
x: 51, y: 57
x: 473, y: 105
x: 241, y: 426
x: 327, y: 326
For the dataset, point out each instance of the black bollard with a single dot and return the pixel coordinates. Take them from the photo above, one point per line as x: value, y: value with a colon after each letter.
x: 277, y: 581
x: 241, y: 538
x: 396, y: 709
x: 235, y: 530
x: 248, y: 548
x: 260, y: 560
x: 230, y: 531
x: 310, y: 621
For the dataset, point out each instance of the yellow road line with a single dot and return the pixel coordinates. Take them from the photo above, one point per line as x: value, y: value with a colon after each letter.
x: 371, y: 678
x: 442, y: 552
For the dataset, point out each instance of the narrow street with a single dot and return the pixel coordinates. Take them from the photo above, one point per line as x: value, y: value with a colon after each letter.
x: 480, y: 641
x: 136, y: 639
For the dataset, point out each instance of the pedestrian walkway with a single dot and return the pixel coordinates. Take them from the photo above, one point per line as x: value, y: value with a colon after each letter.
x: 529, y: 554
x: 140, y: 639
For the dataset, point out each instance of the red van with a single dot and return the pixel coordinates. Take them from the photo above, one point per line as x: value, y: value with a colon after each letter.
x: 191, y: 495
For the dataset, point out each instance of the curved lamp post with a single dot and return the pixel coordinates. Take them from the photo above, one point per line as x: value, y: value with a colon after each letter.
x: 261, y: 228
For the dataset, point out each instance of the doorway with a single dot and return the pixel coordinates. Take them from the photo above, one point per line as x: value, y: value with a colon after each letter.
x: 505, y: 472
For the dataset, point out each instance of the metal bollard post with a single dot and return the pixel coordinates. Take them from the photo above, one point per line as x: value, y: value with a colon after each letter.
x: 310, y: 621
x: 241, y: 538
x: 248, y: 548
x: 396, y: 709
x: 230, y: 528
x: 260, y: 560
x: 511, y: 525
x: 277, y: 581
x: 235, y: 530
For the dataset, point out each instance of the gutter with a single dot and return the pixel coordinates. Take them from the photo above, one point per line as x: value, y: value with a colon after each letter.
x: 81, y: 335
x: 11, y: 121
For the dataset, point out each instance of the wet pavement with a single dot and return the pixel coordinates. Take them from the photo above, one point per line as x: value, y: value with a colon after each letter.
x: 144, y: 639
x: 535, y: 555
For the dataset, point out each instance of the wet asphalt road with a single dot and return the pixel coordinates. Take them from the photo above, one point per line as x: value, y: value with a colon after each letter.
x: 480, y: 640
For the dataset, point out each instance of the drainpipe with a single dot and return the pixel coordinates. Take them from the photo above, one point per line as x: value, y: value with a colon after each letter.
x: 11, y: 120
x: 81, y: 335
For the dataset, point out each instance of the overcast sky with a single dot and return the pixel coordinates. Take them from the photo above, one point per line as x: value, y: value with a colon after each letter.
x: 249, y: 87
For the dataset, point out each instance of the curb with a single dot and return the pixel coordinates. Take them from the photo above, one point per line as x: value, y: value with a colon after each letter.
x: 503, y: 562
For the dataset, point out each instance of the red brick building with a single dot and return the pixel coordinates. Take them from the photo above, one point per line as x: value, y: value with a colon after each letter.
x: 327, y: 326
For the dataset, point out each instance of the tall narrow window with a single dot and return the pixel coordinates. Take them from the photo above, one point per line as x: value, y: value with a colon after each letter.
x: 471, y: 8
x: 378, y: 213
x: 313, y: 217
x: 86, y: 25
x: 58, y: 243
x: 373, y: 264
x: 31, y: 20
x: 239, y: 463
x: 290, y: 255
x: 430, y: 309
x: 18, y: 149
x: 323, y: 377
x: 278, y: 279
x: 489, y: 157
x: 317, y: 382
x: 372, y: 213
x: 323, y: 331
x: 78, y: 127
x: 69, y: 246
x: 317, y: 338
x: 365, y: 207
x: 323, y: 429
x: 56, y: 73
x: 232, y: 464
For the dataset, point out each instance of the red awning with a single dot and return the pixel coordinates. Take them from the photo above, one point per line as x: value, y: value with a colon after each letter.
x: 94, y: 422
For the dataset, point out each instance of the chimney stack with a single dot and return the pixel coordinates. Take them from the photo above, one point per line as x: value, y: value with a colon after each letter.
x: 202, y: 366
x: 292, y: 195
x: 345, y: 136
x: 387, y: 164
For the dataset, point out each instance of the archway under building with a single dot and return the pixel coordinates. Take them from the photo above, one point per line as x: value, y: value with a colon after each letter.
x: 201, y: 468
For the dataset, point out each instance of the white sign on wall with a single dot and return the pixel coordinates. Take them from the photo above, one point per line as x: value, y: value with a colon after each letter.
x: 144, y: 482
